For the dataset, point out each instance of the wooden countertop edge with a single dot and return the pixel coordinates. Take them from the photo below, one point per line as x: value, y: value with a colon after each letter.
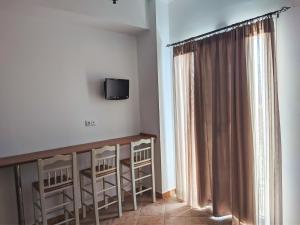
x: 80, y: 148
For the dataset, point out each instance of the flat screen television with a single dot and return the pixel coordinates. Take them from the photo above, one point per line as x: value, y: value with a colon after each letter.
x: 116, y: 89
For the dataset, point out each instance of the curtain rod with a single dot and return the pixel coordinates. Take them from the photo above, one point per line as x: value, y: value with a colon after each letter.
x: 277, y: 12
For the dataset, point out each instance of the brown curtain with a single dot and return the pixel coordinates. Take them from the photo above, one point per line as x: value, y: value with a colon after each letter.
x: 221, y: 81
x: 223, y: 121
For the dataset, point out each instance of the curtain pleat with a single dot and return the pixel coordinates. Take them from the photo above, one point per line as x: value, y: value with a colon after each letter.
x: 203, y: 123
x: 223, y: 109
x: 262, y: 79
x: 186, y: 163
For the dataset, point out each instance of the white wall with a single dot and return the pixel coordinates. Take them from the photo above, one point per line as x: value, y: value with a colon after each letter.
x: 193, y: 17
x: 166, y: 103
x: 50, y: 82
x: 148, y: 84
x: 289, y: 100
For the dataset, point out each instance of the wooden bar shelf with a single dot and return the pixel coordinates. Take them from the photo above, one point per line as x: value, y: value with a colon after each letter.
x: 81, y: 148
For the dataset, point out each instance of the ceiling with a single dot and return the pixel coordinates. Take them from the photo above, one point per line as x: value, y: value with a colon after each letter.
x: 129, y: 16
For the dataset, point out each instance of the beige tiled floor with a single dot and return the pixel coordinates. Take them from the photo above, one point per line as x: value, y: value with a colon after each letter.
x: 162, y: 212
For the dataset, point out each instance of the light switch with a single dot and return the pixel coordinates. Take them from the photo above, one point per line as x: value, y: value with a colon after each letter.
x: 90, y: 123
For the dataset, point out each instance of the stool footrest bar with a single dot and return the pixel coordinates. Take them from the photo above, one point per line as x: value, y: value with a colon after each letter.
x: 140, y: 192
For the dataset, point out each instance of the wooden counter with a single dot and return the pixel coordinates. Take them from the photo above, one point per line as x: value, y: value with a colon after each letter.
x: 30, y: 157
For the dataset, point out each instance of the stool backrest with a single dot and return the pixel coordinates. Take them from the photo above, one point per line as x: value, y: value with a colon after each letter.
x: 142, y: 150
x: 56, y: 171
x: 105, y: 159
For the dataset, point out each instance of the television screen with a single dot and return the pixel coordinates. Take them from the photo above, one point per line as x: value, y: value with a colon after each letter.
x: 116, y: 89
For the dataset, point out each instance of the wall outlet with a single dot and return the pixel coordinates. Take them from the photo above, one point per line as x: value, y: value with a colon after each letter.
x: 89, y: 123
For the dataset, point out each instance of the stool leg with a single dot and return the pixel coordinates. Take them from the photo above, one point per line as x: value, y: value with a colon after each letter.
x: 82, y: 196
x: 19, y: 194
x: 65, y: 208
x: 75, y: 193
x: 133, y: 186
x: 104, y: 193
x: 153, y: 172
x: 33, y: 201
x: 153, y: 183
x: 118, y: 188
x: 122, y: 184
x: 75, y: 205
x: 43, y: 209
x: 95, y: 202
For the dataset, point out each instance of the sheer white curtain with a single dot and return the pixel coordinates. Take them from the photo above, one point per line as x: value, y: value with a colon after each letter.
x: 265, y: 121
x: 186, y: 182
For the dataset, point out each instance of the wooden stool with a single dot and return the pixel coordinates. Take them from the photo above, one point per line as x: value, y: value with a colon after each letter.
x: 57, y: 177
x: 141, y: 155
x: 105, y: 163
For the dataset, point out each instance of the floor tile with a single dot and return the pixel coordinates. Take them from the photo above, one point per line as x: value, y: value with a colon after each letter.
x: 154, y: 209
x: 163, y: 212
x: 175, y: 221
x: 150, y: 220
